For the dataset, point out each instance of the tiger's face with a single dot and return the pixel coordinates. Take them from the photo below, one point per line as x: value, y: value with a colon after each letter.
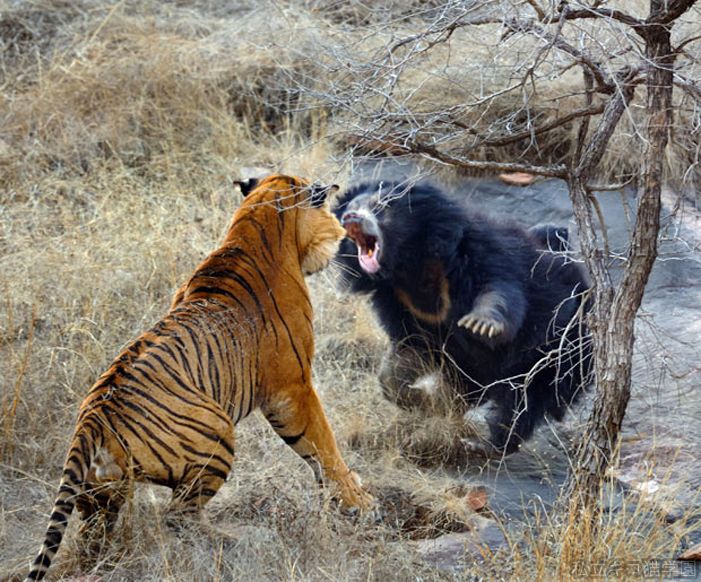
x: 318, y: 233
x: 321, y: 234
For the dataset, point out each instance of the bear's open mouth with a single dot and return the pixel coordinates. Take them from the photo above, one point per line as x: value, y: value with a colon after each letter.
x: 368, y: 244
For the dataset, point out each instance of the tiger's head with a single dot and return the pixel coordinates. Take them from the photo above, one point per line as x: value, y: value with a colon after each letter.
x: 317, y: 232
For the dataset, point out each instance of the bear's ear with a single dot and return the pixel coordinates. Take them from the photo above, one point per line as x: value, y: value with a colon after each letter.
x: 246, y: 185
x: 319, y: 194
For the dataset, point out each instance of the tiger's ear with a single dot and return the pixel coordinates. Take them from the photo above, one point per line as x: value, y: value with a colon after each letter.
x: 246, y: 185
x: 319, y: 193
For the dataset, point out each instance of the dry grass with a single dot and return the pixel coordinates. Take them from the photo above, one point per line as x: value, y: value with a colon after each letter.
x: 122, y: 125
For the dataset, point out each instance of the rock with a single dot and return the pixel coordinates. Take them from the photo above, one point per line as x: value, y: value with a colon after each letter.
x: 448, y: 552
x: 649, y: 487
x: 692, y: 554
x: 517, y: 178
x: 653, y: 468
x: 454, y: 550
x: 489, y: 535
x: 478, y: 498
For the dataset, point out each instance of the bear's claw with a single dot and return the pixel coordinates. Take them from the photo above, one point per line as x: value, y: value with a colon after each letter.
x: 481, y: 325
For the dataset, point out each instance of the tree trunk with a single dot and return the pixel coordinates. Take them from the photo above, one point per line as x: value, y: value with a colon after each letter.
x: 614, y: 313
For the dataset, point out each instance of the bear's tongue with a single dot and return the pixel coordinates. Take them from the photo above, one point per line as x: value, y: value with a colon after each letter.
x: 368, y: 258
x: 368, y: 246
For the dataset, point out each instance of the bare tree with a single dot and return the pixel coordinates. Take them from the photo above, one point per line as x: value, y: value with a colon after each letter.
x: 623, y: 58
x: 616, y: 306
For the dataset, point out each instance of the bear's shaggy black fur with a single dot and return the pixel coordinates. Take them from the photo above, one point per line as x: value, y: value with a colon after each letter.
x: 494, y: 303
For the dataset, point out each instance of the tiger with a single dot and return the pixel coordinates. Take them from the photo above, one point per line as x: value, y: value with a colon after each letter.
x: 237, y: 337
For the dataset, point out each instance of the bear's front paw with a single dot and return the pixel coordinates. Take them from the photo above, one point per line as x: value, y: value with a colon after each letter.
x: 483, y: 325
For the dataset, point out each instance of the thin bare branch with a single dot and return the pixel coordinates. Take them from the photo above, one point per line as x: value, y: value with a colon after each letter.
x: 603, y: 82
x: 538, y: 10
x: 551, y: 171
x: 546, y: 127
x: 689, y: 87
x: 610, y: 187
x: 606, y: 13
x: 665, y: 13
x: 612, y: 113
x: 688, y: 41
x: 443, y: 32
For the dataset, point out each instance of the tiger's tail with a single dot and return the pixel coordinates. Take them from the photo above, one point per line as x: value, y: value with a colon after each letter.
x: 72, y: 484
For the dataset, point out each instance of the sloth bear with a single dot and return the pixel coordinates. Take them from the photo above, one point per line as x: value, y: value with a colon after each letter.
x: 498, y: 308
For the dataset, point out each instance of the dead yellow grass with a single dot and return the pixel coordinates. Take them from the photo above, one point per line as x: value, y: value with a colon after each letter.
x: 123, y: 125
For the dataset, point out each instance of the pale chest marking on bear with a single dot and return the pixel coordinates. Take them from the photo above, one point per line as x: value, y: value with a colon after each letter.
x: 433, y: 317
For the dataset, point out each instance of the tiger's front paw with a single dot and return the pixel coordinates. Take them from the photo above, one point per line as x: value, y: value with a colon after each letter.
x: 482, y: 325
x: 355, y: 498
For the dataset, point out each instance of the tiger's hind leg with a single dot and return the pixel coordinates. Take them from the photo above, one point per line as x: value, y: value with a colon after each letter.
x: 199, y: 485
x: 298, y: 417
x: 209, y: 457
x: 99, y: 509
